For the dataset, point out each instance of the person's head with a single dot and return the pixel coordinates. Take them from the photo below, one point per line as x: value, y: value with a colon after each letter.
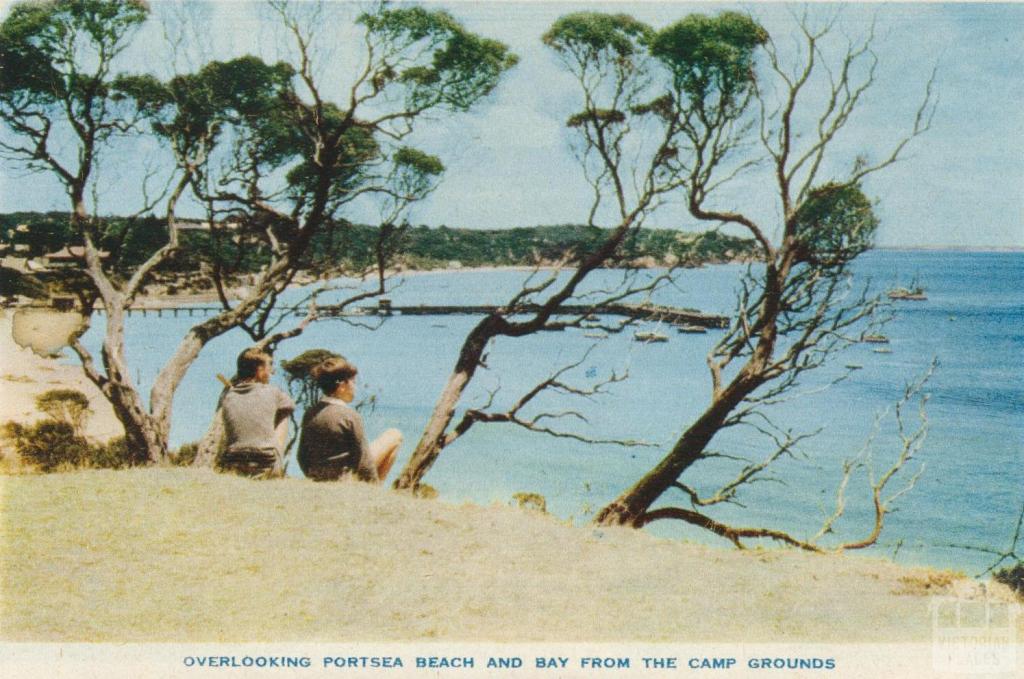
x: 336, y: 377
x: 254, y: 366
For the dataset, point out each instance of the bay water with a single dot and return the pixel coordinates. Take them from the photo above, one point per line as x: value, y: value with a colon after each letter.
x: 968, y: 494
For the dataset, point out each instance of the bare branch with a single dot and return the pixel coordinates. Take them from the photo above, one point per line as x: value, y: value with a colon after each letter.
x: 731, y: 533
x: 555, y: 383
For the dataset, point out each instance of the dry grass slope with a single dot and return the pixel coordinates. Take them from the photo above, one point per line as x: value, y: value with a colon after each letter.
x: 179, y: 554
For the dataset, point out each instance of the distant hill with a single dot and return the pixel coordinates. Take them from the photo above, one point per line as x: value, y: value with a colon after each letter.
x: 432, y: 247
x: 418, y: 247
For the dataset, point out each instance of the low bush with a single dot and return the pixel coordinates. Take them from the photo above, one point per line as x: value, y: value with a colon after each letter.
x: 534, y: 501
x: 55, y: 446
x: 186, y: 455
x: 65, y: 405
x: 48, y: 445
x: 113, y: 454
x: 1012, y: 577
x: 59, y: 443
x: 301, y: 384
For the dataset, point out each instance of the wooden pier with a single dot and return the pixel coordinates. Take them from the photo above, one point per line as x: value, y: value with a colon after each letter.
x: 646, y: 312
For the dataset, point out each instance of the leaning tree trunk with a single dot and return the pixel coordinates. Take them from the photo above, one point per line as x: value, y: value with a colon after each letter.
x: 165, y: 385
x: 432, y: 441
x: 161, y: 395
x: 629, y: 508
x: 144, y: 436
x: 209, y: 446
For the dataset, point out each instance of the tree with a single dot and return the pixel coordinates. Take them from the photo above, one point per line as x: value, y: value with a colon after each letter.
x: 799, y: 310
x: 628, y: 174
x: 289, y: 160
x: 56, y: 83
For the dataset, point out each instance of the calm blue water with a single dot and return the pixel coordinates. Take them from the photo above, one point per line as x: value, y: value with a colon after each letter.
x: 969, y: 492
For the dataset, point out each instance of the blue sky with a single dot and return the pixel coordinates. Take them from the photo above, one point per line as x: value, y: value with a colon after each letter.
x: 509, y: 163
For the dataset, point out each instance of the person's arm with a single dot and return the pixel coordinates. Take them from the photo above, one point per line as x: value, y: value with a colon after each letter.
x: 367, y: 469
x: 285, y: 407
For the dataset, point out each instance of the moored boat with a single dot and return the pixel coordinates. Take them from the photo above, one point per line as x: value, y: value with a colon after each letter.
x: 913, y: 293
x: 650, y: 337
x: 908, y: 294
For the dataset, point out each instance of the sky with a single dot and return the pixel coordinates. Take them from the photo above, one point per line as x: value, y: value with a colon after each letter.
x: 509, y: 162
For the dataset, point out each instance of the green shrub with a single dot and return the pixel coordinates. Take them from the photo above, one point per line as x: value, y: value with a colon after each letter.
x: 534, y: 501
x: 114, y: 454
x: 52, y: 446
x: 301, y: 384
x: 299, y: 367
x: 424, y: 491
x: 49, y: 444
x: 59, y: 442
x: 69, y: 406
x: 1012, y: 577
x: 186, y: 455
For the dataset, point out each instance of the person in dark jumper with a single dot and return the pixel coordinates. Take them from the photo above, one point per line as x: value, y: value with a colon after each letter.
x: 333, y: 441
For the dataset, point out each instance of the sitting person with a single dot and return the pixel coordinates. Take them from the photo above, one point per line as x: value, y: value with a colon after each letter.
x: 255, y: 419
x: 333, y: 442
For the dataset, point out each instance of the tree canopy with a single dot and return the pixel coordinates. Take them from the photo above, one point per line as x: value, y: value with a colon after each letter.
x: 588, y: 34
x: 38, y: 43
x: 835, y: 224
x: 463, y: 66
x: 710, y: 55
x: 256, y: 143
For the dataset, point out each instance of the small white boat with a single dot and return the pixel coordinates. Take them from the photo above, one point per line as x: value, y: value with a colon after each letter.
x: 908, y: 294
x: 913, y: 293
x: 650, y: 337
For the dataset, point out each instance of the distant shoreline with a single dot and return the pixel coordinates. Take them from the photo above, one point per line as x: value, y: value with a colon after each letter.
x: 951, y: 248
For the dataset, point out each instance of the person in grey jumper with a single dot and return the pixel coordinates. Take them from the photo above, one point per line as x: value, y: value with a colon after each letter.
x: 333, y: 442
x: 255, y: 419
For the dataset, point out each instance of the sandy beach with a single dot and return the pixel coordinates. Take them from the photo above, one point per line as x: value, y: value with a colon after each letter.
x: 25, y: 374
x: 195, y: 555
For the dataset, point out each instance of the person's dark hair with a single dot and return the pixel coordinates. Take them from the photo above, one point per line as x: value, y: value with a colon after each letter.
x: 249, y: 361
x: 331, y: 373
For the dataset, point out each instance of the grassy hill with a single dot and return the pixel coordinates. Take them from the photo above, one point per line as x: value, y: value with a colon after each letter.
x: 171, y: 554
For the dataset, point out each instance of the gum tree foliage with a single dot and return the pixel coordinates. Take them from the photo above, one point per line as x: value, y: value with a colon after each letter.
x: 301, y: 384
x: 734, y: 110
x: 607, y: 55
x: 257, y: 144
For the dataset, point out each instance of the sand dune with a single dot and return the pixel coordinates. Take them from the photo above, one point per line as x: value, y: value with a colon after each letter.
x: 24, y: 374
